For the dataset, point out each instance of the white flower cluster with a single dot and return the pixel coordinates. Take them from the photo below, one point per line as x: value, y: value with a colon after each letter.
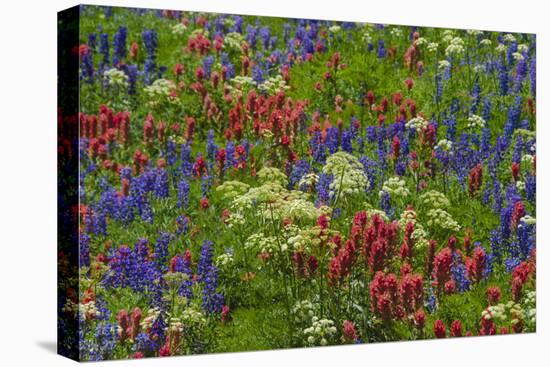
x: 522, y: 47
x: 475, y: 122
x: 235, y: 220
x: 179, y: 29
x: 448, y: 35
x: 395, y: 186
x: 263, y: 243
x: 335, y: 29
x: 367, y: 38
x: 410, y: 216
x: 530, y: 307
x: 349, y: 177
x: 320, y: 332
x: 233, y: 40
x: 527, y: 158
x: 272, y: 174
x: 478, y: 68
x: 443, y: 64
x: 396, y: 32
x: 474, y: 32
x: 191, y: 316
x: 224, y: 259
x: 528, y: 220
x: 520, y: 185
x: 231, y: 189
x: 497, y: 312
x: 434, y: 199
x: 417, y: 123
x: 501, y: 48
x: 116, y: 77
x: 274, y: 84
x: 509, y: 37
x: 485, y: 42
x: 420, y: 41
x: 308, y: 180
x: 455, y: 48
x: 303, y: 312
x: 241, y: 84
x: 433, y: 46
x: 517, y: 56
x: 444, y: 144
x: 442, y: 219
x: 160, y: 88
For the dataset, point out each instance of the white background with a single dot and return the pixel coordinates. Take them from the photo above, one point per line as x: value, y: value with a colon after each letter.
x: 28, y: 181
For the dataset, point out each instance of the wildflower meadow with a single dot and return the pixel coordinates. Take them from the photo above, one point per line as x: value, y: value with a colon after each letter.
x: 250, y: 183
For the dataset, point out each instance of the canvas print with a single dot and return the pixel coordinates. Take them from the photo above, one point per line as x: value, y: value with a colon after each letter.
x: 239, y: 183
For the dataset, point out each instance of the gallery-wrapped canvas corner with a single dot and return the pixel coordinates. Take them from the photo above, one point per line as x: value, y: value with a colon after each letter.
x: 238, y: 183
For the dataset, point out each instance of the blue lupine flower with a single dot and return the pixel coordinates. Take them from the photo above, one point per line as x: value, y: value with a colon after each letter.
x: 87, y: 67
x: 229, y: 155
x: 183, y: 224
x: 211, y: 147
x: 133, y: 269
x: 183, y: 193
x: 531, y: 188
x: 186, y: 160
x: 161, y: 251
x: 317, y: 148
x: 207, y: 64
x: 84, y: 250
x: 299, y: 170
x: 381, y: 50
x: 459, y: 274
x: 181, y: 265
x: 346, y: 141
x: 212, y: 300
x: 323, y: 189
x: 143, y: 343
x: 331, y: 139
x: 486, y: 109
x: 496, y: 246
x: 104, y: 49
x: 371, y: 134
x: 438, y: 95
x: 161, y: 183
x: 119, y: 45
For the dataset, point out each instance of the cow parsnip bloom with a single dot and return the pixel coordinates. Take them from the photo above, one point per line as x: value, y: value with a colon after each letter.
x: 231, y: 189
x: 224, y: 259
x: 433, y: 46
x: 435, y: 199
x: 272, y: 174
x: 116, y: 77
x: 509, y: 37
x: 159, y: 88
x: 179, y: 29
x: 320, y: 332
x: 233, y: 40
x: 395, y: 187
x: 501, y: 48
x: 455, y: 48
x: 274, y: 84
x: 476, y: 122
x: 445, y: 145
x: 349, y: 177
x: 303, y: 312
x: 486, y: 42
x: 440, y: 218
x: 417, y: 123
